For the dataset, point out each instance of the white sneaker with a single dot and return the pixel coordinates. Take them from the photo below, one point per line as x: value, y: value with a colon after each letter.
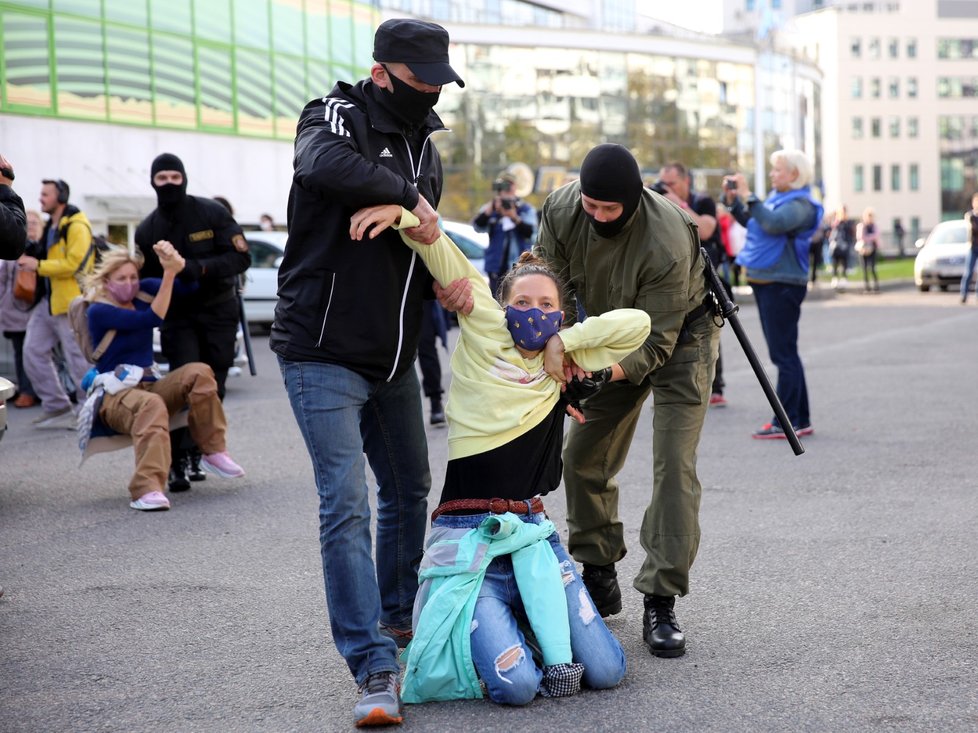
x: 62, y: 420
x: 154, y: 501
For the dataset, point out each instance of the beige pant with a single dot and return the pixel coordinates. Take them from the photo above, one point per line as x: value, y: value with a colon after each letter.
x: 143, y: 412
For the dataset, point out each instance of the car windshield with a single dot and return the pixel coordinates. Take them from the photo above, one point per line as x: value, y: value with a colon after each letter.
x: 957, y: 234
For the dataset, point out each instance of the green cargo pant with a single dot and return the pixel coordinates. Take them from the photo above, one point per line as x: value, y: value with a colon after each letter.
x: 595, y: 452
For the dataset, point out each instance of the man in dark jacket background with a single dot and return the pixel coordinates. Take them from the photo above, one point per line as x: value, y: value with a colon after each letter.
x: 346, y: 331
x: 201, y: 325
x: 13, y: 220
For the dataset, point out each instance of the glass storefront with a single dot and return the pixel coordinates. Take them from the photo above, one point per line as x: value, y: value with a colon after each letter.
x: 547, y: 107
x: 238, y: 67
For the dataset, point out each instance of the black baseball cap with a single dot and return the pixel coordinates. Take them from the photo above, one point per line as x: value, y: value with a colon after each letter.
x: 422, y: 46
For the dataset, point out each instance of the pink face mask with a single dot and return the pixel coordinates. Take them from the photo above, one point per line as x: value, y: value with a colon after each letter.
x: 122, y: 292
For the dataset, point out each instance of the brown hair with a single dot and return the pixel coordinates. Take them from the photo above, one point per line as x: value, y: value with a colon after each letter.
x: 528, y: 264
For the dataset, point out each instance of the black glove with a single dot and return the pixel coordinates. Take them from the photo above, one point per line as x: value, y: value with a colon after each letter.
x: 581, y: 389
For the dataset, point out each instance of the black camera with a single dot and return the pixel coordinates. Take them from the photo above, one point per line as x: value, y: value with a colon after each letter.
x: 660, y: 188
x: 730, y: 184
x: 507, y: 203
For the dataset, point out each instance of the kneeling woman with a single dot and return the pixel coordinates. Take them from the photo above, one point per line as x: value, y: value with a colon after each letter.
x: 494, y: 565
x: 129, y: 397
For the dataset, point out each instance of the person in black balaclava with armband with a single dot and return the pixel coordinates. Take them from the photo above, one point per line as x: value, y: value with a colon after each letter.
x: 202, y: 325
x: 608, y: 228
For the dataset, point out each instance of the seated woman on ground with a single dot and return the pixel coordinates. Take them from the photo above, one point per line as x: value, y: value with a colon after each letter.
x: 129, y: 396
x: 494, y: 566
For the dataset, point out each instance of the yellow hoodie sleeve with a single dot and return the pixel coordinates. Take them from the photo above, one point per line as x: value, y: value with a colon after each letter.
x: 446, y: 263
x: 600, y: 341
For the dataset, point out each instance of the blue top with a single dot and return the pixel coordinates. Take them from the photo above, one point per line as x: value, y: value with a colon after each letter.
x: 133, y: 342
x: 784, y: 216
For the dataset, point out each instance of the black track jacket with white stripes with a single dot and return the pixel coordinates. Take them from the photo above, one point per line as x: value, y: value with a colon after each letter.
x: 356, y: 304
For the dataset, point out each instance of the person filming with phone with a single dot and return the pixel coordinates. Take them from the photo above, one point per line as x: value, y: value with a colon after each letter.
x: 511, y: 224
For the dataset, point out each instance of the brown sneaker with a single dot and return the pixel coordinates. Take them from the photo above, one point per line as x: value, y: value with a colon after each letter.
x: 25, y: 400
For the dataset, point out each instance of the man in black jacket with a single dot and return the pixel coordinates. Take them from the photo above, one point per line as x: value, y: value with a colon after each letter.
x: 346, y: 332
x: 200, y: 325
x: 13, y: 220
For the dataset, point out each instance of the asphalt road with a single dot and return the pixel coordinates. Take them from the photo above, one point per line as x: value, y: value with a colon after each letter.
x: 833, y: 591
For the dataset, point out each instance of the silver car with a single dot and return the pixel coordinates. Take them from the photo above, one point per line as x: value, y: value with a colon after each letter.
x: 7, y: 390
x: 942, y: 256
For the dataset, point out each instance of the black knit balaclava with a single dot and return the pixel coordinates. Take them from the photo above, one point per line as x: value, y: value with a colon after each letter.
x: 611, y: 173
x: 168, y: 196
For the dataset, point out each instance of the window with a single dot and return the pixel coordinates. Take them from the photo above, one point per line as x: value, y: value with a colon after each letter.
x: 894, y: 47
x: 894, y: 126
x: 914, y: 227
x: 877, y: 178
x: 855, y: 48
x: 874, y: 87
x: 856, y: 89
x: 957, y: 48
x: 895, y: 177
x: 914, y: 176
x: 912, y: 87
x: 876, y: 127
x: 912, y: 127
x: 911, y: 48
x: 894, y: 87
x: 857, y: 179
x: 873, y: 48
x: 857, y: 127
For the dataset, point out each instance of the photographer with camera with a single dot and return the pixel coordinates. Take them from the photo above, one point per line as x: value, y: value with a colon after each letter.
x: 674, y: 184
x: 511, y: 224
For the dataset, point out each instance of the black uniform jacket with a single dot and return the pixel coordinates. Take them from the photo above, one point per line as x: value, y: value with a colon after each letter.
x: 211, y: 242
x: 356, y: 304
x: 13, y: 224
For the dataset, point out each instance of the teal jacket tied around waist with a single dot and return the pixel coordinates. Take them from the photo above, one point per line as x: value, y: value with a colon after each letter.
x: 439, y: 659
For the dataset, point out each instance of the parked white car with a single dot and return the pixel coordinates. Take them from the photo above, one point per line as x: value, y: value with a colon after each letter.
x: 472, y: 243
x: 261, y: 279
x: 942, y: 256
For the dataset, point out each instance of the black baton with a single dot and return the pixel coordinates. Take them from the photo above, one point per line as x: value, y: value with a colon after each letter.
x: 245, y: 334
x: 728, y: 310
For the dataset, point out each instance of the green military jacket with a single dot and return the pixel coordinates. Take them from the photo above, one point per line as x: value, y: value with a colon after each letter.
x: 654, y: 264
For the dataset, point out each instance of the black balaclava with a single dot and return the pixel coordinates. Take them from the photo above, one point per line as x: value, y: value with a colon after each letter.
x: 610, y: 173
x: 170, y: 195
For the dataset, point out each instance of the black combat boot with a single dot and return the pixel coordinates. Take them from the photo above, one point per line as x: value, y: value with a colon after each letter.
x: 660, y: 628
x: 178, y: 480
x: 196, y: 473
x: 601, y: 582
x: 437, y: 411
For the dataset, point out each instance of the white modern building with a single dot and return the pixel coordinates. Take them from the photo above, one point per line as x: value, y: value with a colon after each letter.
x: 899, y: 125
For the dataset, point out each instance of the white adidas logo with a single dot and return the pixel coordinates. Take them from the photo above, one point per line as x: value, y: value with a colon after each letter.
x: 386, y: 153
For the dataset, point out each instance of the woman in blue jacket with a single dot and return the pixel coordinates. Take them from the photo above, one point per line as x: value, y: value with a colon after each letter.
x: 128, y: 396
x: 775, y: 257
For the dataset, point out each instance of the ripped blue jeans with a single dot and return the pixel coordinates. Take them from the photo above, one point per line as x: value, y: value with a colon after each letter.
x: 500, y: 652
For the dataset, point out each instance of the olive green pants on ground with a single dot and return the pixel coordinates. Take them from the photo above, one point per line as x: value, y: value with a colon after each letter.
x: 595, y: 452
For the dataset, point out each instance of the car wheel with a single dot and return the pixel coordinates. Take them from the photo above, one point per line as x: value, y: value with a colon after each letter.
x: 924, y: 288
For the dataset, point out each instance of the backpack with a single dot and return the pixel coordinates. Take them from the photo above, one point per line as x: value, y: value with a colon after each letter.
x: 78, y: 318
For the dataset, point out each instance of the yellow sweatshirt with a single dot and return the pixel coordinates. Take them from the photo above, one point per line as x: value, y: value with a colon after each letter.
x: 496, y: 394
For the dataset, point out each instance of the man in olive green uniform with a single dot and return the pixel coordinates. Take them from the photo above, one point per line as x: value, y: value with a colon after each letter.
x: 618, y: 245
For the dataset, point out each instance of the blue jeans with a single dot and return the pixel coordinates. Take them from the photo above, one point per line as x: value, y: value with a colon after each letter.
x: 969, y: 271
x: 343, y: 416
x: 500, y: 652
x: 779, y: 306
